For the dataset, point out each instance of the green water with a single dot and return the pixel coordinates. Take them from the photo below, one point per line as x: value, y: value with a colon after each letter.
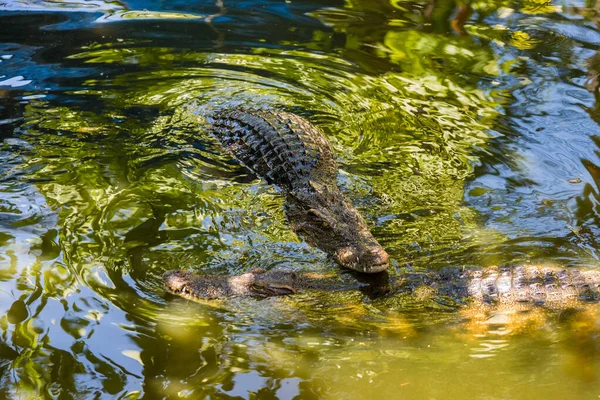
x: 466, y: 134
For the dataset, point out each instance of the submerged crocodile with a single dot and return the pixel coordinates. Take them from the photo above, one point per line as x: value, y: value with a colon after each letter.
x: 288, y: 151
x: 532, y: 285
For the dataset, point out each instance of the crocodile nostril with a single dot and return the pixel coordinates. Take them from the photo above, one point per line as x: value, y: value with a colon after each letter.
x: 379, y: 256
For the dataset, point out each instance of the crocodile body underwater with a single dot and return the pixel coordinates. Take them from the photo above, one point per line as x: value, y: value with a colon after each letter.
x: 288, y: 151
x: 525, y: 285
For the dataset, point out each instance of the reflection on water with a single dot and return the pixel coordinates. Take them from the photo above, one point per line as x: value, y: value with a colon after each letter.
x: 467, y: 134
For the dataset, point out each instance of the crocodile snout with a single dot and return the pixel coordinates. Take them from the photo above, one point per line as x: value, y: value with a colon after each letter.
x: 377, y: 257
x: 371, y: 260
x: 176, y: 280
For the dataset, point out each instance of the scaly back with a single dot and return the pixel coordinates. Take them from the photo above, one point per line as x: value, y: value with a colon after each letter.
x: 283, y: 148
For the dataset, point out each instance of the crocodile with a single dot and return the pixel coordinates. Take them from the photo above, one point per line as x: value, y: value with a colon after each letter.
x: 524, y: 285
x: 289, y: 152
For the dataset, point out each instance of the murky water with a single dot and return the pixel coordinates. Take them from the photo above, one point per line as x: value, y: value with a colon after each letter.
x: 467, y: 134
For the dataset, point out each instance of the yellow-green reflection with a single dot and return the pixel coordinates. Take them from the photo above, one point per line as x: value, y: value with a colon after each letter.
x: 118, y: 181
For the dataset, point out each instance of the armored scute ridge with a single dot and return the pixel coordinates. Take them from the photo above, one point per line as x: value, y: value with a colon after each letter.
x: 283, y: 148
x: 531, y: 285
x: 288, y: 151
x: 549, y: 286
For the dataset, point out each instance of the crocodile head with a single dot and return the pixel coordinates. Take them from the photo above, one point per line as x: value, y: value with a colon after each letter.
x: 256, y: 283
x: 325, y: 219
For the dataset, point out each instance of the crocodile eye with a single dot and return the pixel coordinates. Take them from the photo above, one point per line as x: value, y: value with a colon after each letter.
x: 317, y: 216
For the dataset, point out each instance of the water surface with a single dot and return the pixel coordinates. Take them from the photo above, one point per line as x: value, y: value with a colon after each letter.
x: 467, y: 135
